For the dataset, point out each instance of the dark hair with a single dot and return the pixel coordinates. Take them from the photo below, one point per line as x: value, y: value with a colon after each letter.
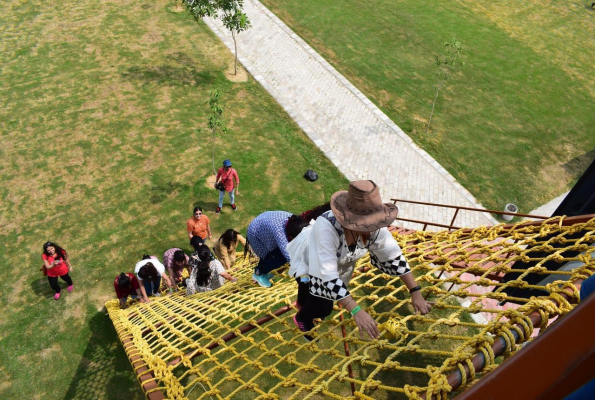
x: 294, y: 226
x: 197, y: 209
x: 179, y: 255
x: 296, y: 223
x: 60, y: 252
x: 229, y: 236
x: 315, y: 212
x: 203, y: 269
x: 196, y: 242
x: 146, y: 257
x: 123, y: 281
x: 148, y: 271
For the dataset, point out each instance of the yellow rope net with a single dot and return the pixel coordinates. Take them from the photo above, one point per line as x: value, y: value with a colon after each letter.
x: 240, y: 341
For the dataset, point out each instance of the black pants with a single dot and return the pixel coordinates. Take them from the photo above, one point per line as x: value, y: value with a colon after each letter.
x: 53, y: 280
x: 273, y: 260
x: 312, y: 306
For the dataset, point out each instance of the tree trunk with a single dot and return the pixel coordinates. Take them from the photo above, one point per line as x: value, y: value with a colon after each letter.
x: 213, y: 156
x: 235, y: 45
x: 434, y: 104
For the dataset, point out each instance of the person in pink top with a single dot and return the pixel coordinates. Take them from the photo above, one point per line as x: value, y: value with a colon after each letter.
x: 57, y: 264
x: 227, y: 181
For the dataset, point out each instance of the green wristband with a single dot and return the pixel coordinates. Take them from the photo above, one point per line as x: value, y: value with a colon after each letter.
x: 355, y: 311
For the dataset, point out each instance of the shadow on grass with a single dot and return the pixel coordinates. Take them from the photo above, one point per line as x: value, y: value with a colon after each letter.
x: 104, y: 370
x: 578, y: 165
x: 172, y: 75
x: 41, y: 287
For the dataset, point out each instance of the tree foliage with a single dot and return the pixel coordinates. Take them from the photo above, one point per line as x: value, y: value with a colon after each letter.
x: 446, y: 64
x: 230, y: 12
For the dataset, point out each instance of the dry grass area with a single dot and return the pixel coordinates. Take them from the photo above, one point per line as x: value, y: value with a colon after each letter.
x: 104, y: 150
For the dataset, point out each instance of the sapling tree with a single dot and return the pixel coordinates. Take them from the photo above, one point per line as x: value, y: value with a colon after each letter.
x: 446, y: 64
x: 215, y: 121
x: 231, y: 13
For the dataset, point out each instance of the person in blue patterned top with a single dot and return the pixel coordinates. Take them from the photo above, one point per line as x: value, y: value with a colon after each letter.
x: 323, y: 256
x: 268, y: 235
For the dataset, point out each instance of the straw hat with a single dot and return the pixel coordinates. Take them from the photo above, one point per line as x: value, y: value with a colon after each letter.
x: 360, y: 208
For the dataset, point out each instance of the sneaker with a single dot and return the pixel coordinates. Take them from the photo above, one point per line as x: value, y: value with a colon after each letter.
x: 70, y: 288
x: 269, y: 276
x: 261, y: 280
x: 303, y: 326
x: 217, y: 210
x: 56, y: 296
x: 234, y: 207
x: 157, y: 294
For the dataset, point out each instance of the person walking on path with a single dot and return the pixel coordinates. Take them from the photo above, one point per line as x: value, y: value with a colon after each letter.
x: 227, y: 180
x: 198, y: 226
x: 323, y: 257
x: 175, y: 261
x: 226, y: 246
x: 57, y: 264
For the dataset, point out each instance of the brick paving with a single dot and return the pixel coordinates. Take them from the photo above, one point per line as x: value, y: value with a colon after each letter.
x: 352, y: 132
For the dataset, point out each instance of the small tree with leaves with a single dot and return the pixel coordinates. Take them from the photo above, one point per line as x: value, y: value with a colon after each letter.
x: 446, y: 64
x: 231, y: 13
x: 215, y: 122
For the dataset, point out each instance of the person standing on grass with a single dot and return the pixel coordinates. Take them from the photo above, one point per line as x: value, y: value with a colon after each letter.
x: 126, y: 285
x: 208, y: 274
x: 323, y: 257
x: 226, y: 246
x: 175, y: 261
x: 57, y: 264
x: 150, y: 272
x: 227, y: 180
x: 198, y: 226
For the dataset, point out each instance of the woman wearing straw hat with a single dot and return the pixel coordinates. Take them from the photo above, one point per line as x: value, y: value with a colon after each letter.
x: 324, y: 256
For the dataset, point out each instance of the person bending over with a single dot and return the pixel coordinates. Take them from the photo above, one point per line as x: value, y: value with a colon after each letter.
x: 126, y: 285
x: 175, y: 261
x: 207, y: 275
x: 150, y: 272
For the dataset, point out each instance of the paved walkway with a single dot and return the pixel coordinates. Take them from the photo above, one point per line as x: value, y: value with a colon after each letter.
x: 353, y: 133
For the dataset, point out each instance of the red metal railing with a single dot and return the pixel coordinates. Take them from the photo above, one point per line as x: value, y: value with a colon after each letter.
x: 457, y: 209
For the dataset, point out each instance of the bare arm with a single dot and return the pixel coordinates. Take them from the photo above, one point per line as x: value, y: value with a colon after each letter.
x: 419, y: 303
x: 209, y: 231
x: 143, y: 291
x: 174, y: 284
x: 228, y: 277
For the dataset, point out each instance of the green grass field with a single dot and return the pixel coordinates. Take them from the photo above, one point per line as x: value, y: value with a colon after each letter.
x: 101, y: 106
x: 514, y: 125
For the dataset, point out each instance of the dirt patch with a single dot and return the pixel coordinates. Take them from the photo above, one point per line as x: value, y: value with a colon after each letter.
x: 271, y: 173
x: 210, y: 181
x: 46, y: 353
x: 241, y: 76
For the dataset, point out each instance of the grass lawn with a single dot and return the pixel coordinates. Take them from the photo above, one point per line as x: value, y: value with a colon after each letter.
x: 514, y: 125
x: 100, y: 106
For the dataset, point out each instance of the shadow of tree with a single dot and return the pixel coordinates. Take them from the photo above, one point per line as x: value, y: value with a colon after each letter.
x: 174, y: 75
x: 160, y: 192
x: 578, y: 165
x: 104, y: 370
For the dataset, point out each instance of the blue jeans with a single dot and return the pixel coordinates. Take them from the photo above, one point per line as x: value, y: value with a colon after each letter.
x: 231, y: 197
x: 273, y: 260
x: 152, y: 285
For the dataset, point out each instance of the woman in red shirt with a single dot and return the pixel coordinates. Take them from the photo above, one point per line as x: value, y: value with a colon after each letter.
x: 126, y: 285
x: 57, y: 264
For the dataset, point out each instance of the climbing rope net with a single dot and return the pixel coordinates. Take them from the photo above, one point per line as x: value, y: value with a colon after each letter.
x: 239, y: 341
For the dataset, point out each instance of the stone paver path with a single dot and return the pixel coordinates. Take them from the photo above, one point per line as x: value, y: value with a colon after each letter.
x: 354, y: 134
